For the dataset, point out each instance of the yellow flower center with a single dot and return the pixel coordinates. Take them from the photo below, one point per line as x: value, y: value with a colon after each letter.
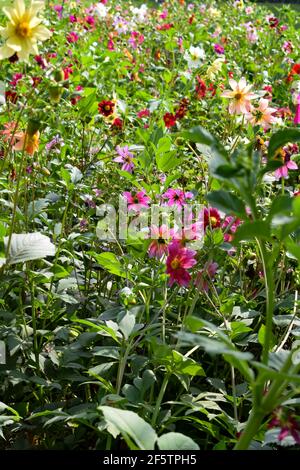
x: 23, y: 29
x: 238, y: 96
x: 213, y: 221
x: 175, y: 263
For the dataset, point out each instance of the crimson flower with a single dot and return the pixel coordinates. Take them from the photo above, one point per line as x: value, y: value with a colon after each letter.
x: 170, y: 120
x: 106, y: 108
x: 210, y: 218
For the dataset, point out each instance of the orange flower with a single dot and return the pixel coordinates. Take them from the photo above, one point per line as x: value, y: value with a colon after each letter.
x: 28, y: 142
x: 241, y: 96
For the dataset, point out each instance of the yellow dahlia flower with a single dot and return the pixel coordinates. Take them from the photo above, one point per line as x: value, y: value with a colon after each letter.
x: 23, y: 30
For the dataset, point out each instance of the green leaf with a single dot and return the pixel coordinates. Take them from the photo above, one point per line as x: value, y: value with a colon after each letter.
x: 28, y: 247
x: 127, y: 324
x: 293, y: 249
x: 131, y: 425
x: 176, y: 441
x: 252, y: 230
x: 168, y: 161
x: 227, y: 202
x: 185, y: 365
x: 281, y: 138
x: 110, y: 262
x: 280, y: 205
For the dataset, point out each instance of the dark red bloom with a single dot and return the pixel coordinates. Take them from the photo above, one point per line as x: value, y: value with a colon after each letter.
x: 16, y: 78
x: 210, y: 218
x: 14, y: 58
x: 36, y: 81
x: 40, y: 61
x: 212, y: 89
x: 182, y: 109
x: 117, y: 123
x: 200, y: 88
x: 11, y: 96
x: 169, y: 119
x: 67, y: 72
x: 273, y: 22
x: 165, y: 26
x: 106, y: 108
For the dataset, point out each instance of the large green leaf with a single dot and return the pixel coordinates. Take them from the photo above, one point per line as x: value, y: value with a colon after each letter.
x: 131, y: 426
x: 176, y: 441
x: 227, y: 202
x: 252, y: 230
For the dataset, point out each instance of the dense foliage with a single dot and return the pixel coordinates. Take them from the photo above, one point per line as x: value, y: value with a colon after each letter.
x: 164, y: 338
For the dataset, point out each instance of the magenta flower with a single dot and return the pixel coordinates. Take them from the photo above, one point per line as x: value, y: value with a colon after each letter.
x: 125, y: 157
x: 72, y: 37
x: 177, y: 197
x: 219, y: 49
x: 178, y: 261
x: 159, y: 245
x: 136, y: 200
x: 287, y: 423
x: 297, y: 115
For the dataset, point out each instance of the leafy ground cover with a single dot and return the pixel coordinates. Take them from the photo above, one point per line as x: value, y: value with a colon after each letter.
x: 149, y: 226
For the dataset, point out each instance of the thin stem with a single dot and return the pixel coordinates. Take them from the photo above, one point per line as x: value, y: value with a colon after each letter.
x: 121, y: 370
x: 270, y: 287
x: 159, y: 399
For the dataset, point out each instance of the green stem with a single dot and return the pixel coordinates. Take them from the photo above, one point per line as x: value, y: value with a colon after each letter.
x: 34, y: 325
x: 270, y: 299
x: 121, y: 370
x: 251, y: 429
x: 159, y: 399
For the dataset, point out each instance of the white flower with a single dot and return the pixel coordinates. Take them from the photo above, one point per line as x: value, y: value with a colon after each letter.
x: 140, y: 14
x: 194, y: 57
x: 101, y: 10
x: 215, y: 68
x: 23, y: 30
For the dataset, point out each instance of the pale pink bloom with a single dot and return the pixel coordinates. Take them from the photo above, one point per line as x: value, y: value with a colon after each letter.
x: 248, y: 10
x: 262, y: 115
x: 283, y: 171
x: 125, y: 157
x: 240, y: 95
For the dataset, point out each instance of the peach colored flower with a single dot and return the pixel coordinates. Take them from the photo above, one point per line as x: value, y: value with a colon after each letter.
x: 262, y: 115
x: 9, y: 132
x: 27, y: 142
x: 240, y: 95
